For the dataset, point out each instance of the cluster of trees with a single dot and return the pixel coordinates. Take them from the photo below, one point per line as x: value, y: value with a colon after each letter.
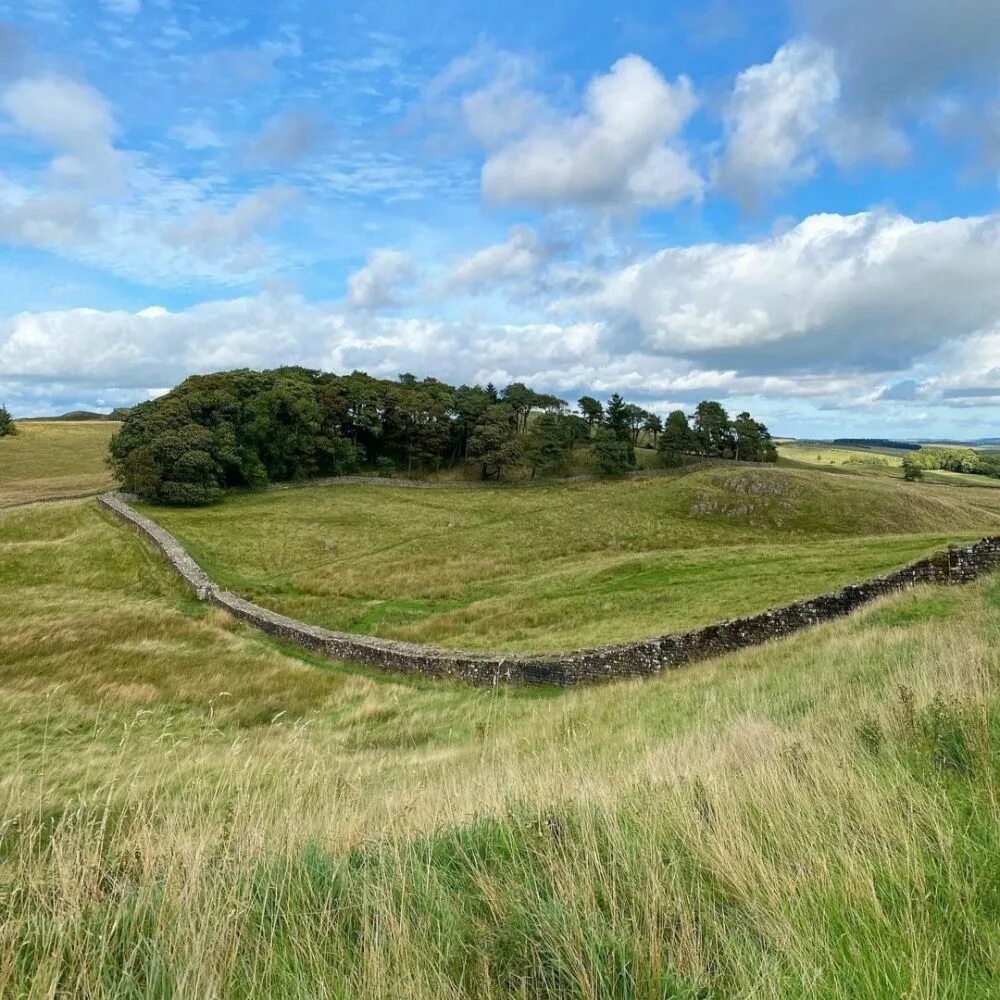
x: 710, y: 432
x: 950, y: 459
x: 7, y: 425
x: 248, y: 428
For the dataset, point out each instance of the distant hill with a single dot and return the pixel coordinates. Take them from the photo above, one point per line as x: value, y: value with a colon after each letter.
x: 118, y: 414
x: 876, y: 443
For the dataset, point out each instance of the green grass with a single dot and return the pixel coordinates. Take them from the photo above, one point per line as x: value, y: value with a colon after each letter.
x: 54, y: 458
x: 186, y: 809
x: 569, y: 566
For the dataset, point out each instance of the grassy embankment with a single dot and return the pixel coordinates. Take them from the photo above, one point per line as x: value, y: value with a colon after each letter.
x: 188, y: 810
x: 569, y: 566
x: 54, y: 458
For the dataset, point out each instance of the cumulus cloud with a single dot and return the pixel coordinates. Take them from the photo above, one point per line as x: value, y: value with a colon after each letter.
x: 86, y: 355
x: 775, y: 120
x: 519, y: 258
x: 376, y: 285
x: 622, y: 150
x: 70, y: 118
x: 872, y: 291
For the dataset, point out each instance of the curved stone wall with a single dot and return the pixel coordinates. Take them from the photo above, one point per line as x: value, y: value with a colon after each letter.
x: 632, y: 659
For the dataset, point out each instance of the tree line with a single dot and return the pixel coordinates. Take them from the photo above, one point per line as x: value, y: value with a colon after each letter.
x: 950, y: 459
x: 248, y: 428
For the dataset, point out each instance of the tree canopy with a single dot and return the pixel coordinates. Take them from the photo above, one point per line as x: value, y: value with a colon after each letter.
x: 249, y: 428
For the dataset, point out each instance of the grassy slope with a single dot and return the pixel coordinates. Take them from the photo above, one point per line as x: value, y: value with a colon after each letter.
x: 569, y: 566
x: 186, y: 810
x: 54, y: 458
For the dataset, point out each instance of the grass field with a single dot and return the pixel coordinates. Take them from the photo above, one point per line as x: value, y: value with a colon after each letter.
x: 54, y: 458
x: 188, y: 810
x: 568, y: 566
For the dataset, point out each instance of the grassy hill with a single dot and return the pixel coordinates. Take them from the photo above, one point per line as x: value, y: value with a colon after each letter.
x: 54, y: 458
x: 187, y: 809
x: 568, y: 566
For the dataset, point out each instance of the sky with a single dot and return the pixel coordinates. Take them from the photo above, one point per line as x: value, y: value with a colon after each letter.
x: 791, y: 206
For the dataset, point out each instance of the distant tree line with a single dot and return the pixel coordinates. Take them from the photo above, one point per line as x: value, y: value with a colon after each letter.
x: 876, y: 443
x: 950, y: 459
x: 248, y: 428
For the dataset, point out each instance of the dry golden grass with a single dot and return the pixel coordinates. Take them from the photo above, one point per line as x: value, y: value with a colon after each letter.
x: 54, y: 459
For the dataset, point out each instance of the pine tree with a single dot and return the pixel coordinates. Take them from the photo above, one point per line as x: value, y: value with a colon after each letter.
x: 7, y: 425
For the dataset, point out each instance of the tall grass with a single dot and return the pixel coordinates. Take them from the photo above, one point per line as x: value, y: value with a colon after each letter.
x: 188, y: 810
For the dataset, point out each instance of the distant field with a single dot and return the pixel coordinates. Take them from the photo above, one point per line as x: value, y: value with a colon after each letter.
x: 564, y: 567
x: 872, y: 462
x: 820, y: 454
x: 54, y: 458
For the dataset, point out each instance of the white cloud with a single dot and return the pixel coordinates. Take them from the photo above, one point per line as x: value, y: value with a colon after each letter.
x: 376, y: 285
x: 70, y: 118
x: 622, y: 150
x: 53, y: 220
x: 775, y: 119
x: 835, y: 293
x: 520, y: 257
x: 124, y: 212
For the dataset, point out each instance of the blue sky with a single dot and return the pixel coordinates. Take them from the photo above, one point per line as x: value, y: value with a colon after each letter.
x: 788, y: 206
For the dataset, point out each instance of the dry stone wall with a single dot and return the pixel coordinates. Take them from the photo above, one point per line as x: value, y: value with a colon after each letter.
x: 633, y: 659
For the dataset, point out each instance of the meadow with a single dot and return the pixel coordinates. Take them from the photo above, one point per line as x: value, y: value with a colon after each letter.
x: 572, y: 565
x: 54, y: 459
x: 189, y: 809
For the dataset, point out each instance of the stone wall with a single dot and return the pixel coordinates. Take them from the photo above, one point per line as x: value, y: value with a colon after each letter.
x: 186, y: 568
x: 632, y: 659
